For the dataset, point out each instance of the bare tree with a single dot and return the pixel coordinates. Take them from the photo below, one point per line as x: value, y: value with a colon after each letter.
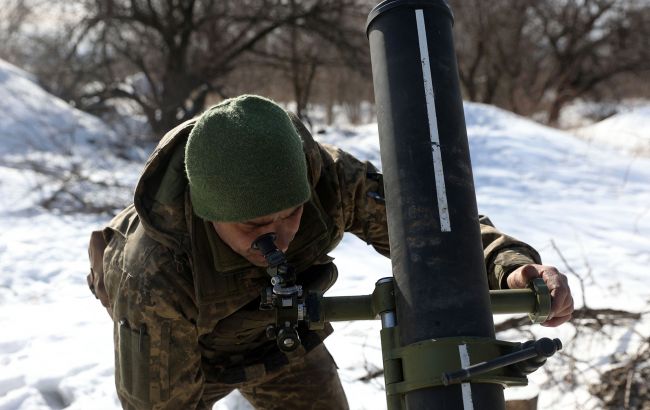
x: 170, y: 57
x: 303, y: 52
x: 589, y: 43
x: 13, y: 16
x: 537, y: 55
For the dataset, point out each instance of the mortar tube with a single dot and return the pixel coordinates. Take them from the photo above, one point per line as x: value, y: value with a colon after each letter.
x: 436, y: 252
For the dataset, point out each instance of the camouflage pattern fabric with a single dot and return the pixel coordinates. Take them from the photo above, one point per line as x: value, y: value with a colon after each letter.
x: 310, y: 383
x: 187, y: 328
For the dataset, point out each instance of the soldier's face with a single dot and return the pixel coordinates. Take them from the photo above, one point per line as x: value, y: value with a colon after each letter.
x: 240, y: 235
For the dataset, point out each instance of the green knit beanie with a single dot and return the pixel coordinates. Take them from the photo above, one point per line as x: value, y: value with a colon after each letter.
x: 244, y: 159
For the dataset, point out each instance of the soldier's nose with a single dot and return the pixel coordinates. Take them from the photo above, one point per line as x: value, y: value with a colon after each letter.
x: 283, y: 243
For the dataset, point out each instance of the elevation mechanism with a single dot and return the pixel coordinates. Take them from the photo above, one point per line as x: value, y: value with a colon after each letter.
x: 419, y: 366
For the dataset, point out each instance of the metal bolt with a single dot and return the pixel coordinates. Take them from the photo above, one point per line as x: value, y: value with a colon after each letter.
x: 271, y: 332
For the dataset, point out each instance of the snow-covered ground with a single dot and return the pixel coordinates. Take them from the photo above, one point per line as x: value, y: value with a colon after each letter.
x: 624, y: 126
x: 629, y: 130
x: 546, y: 187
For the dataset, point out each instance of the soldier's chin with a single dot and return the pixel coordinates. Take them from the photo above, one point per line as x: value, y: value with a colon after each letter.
x: 257, y: 260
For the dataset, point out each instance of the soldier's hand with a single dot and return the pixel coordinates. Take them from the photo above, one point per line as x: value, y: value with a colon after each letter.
x: 561, y: 299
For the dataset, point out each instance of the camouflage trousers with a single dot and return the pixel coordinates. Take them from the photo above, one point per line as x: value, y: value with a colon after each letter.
x: 311, y: 383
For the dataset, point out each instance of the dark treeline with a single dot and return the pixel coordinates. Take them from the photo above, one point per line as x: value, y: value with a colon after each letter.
x: 170, y: 59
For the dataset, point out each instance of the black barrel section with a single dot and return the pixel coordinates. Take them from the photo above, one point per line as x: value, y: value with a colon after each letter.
x: 436, y: 251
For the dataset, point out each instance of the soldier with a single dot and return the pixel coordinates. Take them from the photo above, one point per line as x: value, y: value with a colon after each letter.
x: 182, y: 282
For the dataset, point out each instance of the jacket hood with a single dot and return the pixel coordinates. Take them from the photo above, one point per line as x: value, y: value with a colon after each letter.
x: 161, y: 195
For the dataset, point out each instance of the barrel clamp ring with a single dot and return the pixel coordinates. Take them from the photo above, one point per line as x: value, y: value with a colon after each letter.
x: 423, y: 363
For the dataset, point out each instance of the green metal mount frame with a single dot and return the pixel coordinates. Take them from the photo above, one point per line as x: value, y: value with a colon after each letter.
x: 422, y: 364
x: 535, y: 300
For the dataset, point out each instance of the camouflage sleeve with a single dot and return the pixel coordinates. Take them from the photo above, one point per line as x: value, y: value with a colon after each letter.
x: 157, y: 356
x: 503, y: 254
x: 362, y: 209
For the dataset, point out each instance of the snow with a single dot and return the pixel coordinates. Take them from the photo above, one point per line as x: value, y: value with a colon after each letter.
x: 628, y: 130
x: 43, y: 138
x: 34, y: 120
x: 549, y: 188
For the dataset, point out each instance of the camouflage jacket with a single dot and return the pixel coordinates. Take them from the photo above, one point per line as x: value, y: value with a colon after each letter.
x: 185, y: 306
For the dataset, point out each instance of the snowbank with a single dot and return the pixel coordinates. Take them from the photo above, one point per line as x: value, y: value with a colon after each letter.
x: 628, y: 130
x: 48, y: 149
x: 34, y: 120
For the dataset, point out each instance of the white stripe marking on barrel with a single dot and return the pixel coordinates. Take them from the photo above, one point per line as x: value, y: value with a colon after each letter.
x: 443, y: 208
x: 468, y: 404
